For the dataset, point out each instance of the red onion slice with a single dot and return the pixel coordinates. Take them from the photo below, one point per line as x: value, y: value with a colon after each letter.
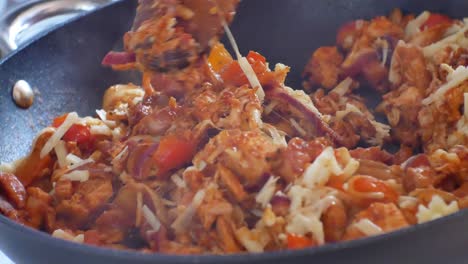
x: 118, y: 58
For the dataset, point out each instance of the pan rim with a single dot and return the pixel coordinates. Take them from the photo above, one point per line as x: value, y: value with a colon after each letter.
x: 42, y: 237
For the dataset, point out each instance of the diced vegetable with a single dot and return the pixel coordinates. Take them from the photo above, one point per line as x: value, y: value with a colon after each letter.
x: 434, y: 20
x: 219, y: 57
x: 78, y: 133
x: 173, y: 152
x: 298, y: 242
x: 234, y: 75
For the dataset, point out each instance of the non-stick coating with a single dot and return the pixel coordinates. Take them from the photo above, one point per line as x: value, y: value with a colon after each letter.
x: 65, y: 68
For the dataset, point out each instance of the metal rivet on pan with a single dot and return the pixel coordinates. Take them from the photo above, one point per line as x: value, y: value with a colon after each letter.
x: 23, y: 94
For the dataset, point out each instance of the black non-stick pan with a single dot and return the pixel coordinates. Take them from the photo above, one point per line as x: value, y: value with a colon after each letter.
x: 64, y: 67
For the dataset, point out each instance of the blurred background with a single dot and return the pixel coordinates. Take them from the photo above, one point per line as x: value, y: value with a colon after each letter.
x: 23, y: 20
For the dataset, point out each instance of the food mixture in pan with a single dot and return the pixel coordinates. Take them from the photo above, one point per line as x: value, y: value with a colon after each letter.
x: 213, y: 153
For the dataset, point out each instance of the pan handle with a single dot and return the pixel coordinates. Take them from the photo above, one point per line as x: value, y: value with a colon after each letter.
x: 25, y: 22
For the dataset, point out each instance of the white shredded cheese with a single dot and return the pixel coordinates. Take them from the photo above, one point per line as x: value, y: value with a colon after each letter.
x: 139, y: 208
x: 298, y: 128
x: 183, y: 219
x: 100, y: 130
x: 248, y: 240
x: 71, y: 119
x: 301, y: 96
x: 178, y: 181
x: 465, y: 105
x: 435, y: 209
x: 343, y: 87
x: 75, y: 162
x: 245, y: 65
x: 277, y: 136
x: 264, y: 196
x: 268, y: 216
x: 407, y: 201
x: 368, y: 227
x: 318, y: 173
x: 382, y: 132
x: 103, y: 116
x: 73, y: 159
x: 301, y: 225
x: 454, y: 79
x: 413, y: 27
x: 76, y: 175
x: 59, y: 233
x: 61, y: 152
x: 151, y: 218
x: 457, y: 38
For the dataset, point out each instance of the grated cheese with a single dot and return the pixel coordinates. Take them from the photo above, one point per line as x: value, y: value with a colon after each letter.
x: 178, y: 181
x: 382, y: 132
x: 456, y: 38
x: 78, y: 163
x: 264, y: 196
x: 407, y: 201
x: 245, y: 65
x: 71, y: 119
x: 454, y: 79
x: 298, y: 128
x: 368, y: 227
x: 77, y: 175
x: 183, y: 219
x: 301, y: 225
x: 305, y: 100
x: 151, y: 218
x: 121, y: 154
x: 139, y: 208
x: 100, y: 130
x: 318, y: 173
x: 343, y: 87
x: 435, y: 209
x: 249, y: 240
x: 59, y: 233
x: 61, y: 152
x: 276, y: 135
x: 270, y: 107
x: 73, y: 159
x: 413, y: 27
x: 268, y: 216
x: 465, y: 105
x: 103, y: 116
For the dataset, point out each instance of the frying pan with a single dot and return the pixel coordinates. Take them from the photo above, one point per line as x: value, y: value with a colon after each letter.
x: 64, y: 67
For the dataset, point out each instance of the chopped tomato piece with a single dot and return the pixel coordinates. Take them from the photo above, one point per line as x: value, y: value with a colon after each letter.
x: 368, y: 184
x: 233, y: 73
x: 298, y: 242
x: 77, y: 133
x: 255, y: 57
x: 219, y: 57
x: 173, y: 152
x: 336, y: 182
x: 434, y: 20
x: 59, y: 120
